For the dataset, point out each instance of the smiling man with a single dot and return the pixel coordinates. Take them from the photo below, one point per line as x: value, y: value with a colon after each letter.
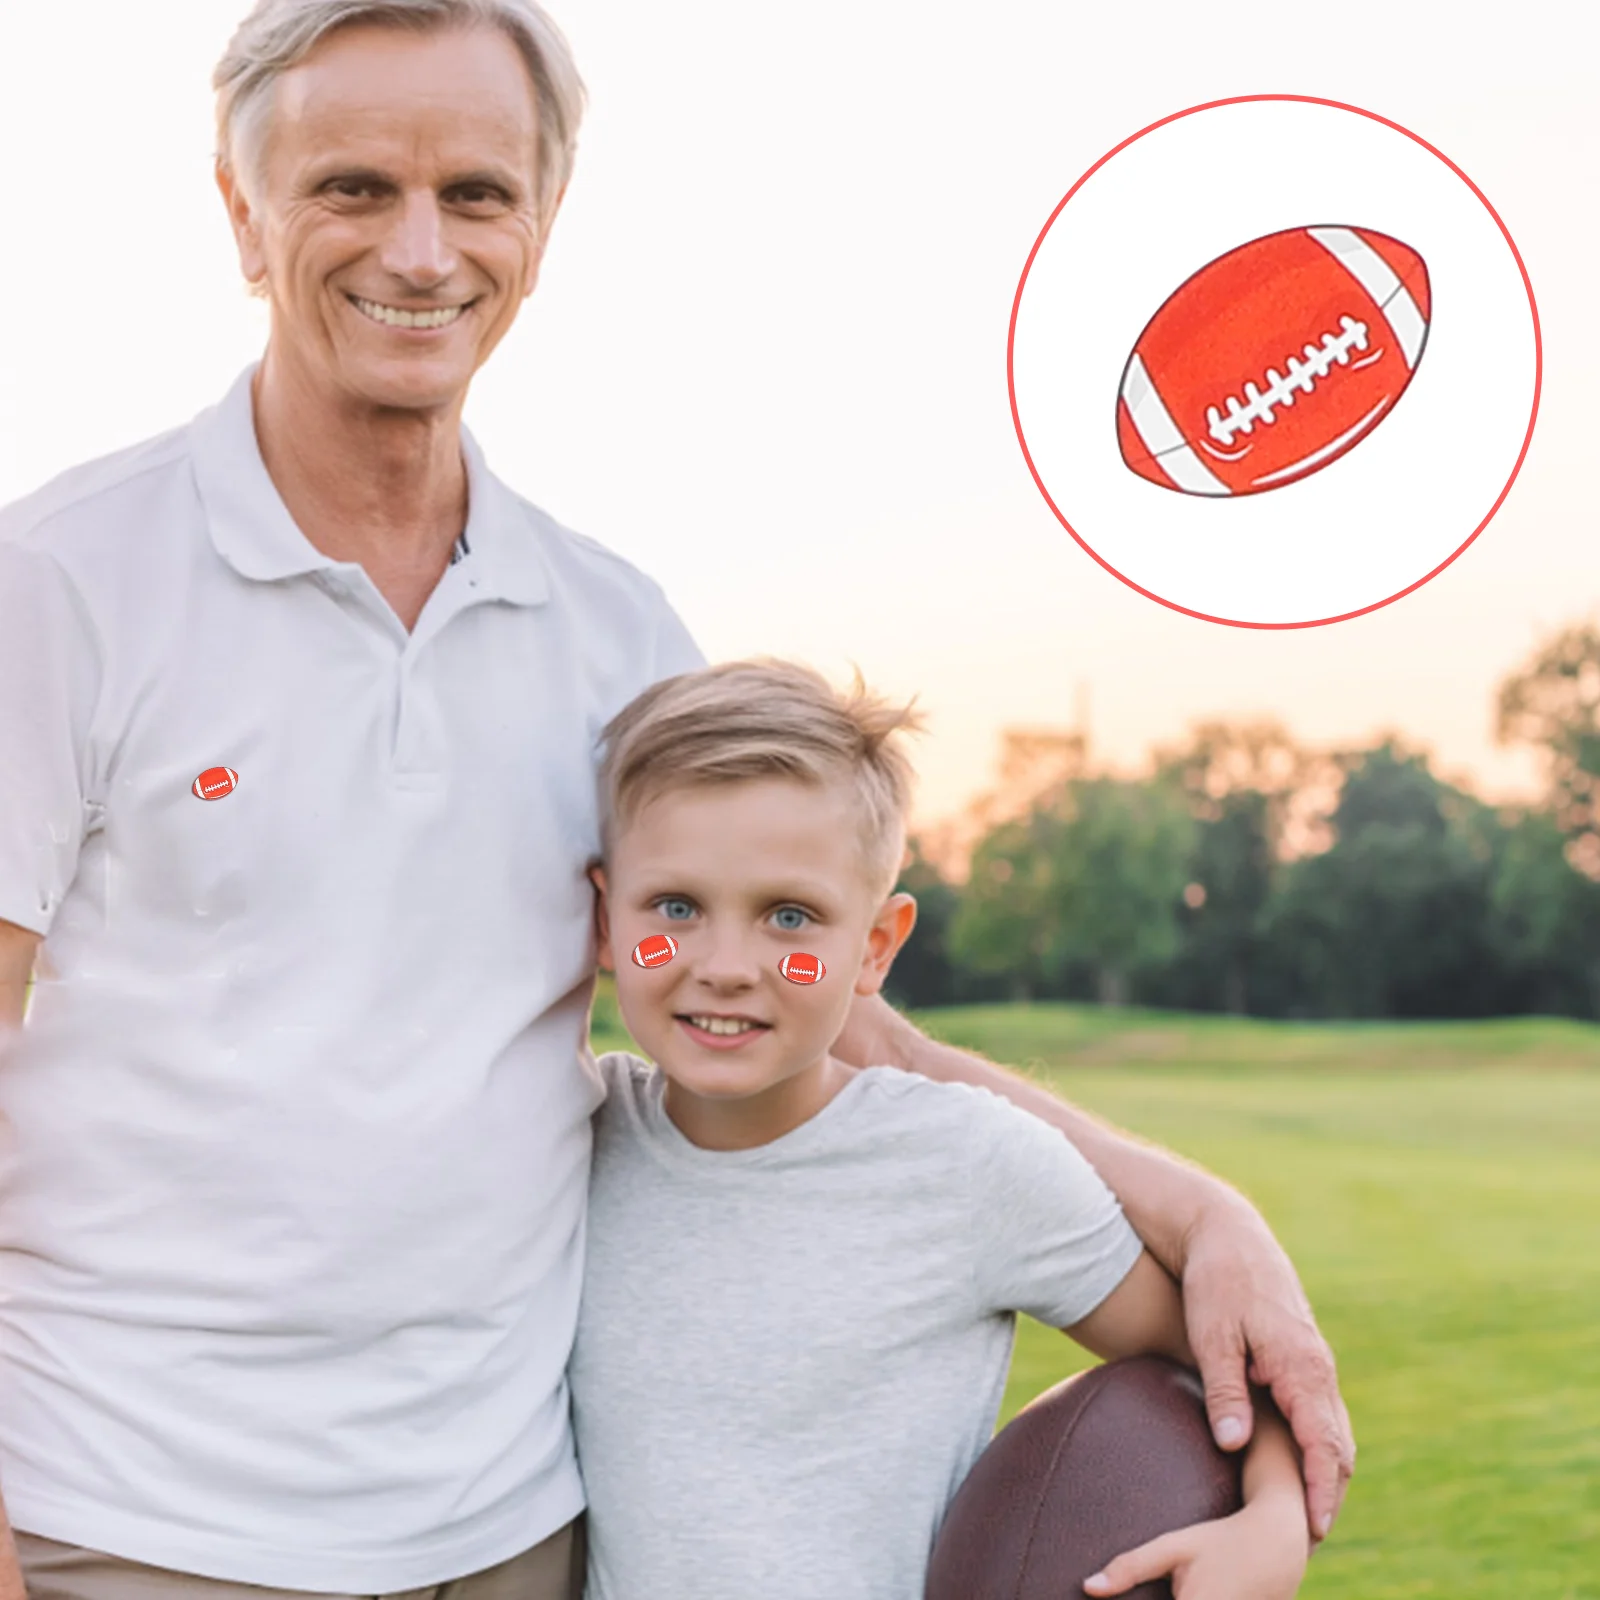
x: 295, y: 1139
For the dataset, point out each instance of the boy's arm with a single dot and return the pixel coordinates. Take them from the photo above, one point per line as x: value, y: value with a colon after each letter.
x: 1260, y: 1551
x: 1247, y: 1316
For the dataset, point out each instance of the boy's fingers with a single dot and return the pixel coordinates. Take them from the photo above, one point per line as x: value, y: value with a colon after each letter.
x: 1139, y: 1565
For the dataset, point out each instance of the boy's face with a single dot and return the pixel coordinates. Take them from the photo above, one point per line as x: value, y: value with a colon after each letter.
x: 741, y: 875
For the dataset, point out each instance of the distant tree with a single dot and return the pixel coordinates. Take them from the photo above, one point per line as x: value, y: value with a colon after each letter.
x: 1393, y: 919
x: 922, y: 974
x: 1224, y: 759
x: 1001, y: 927
x: 1230, y: 881
x: 1093, y: 876
x: 1553, y: 703
x: 1546, y: 921
x: 1241, y: 783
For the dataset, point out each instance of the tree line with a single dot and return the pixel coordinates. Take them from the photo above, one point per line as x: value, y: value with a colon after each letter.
x: 1247, y: 874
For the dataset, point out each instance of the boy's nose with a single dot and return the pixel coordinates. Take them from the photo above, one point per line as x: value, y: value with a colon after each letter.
x: 728, y: 960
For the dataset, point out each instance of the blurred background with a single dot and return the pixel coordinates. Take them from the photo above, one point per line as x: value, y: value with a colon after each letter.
x: 1317, y: 908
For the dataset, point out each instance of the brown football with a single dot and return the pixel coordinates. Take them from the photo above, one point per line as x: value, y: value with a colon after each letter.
x: 1097, y: 1465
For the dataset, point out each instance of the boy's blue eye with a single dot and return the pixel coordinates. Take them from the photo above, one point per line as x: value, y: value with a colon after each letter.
x: 665, y: 907
x: 792, y: 911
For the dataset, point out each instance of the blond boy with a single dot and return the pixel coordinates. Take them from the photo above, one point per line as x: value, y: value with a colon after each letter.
x: 802, y: 1277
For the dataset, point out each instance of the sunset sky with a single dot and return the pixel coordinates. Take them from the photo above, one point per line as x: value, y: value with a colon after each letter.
x: 766, y: 361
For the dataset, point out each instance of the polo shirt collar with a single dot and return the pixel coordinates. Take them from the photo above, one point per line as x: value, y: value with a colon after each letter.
x: 254, y: 533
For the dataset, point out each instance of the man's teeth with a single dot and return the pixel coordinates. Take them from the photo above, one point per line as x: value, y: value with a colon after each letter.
x: 723, y: 1024
x: 409, y: 319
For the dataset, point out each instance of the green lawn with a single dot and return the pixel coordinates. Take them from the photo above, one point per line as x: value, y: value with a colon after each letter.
x: 1439, y: 1187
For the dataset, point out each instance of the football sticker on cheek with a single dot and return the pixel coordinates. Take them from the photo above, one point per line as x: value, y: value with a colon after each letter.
x: 656, y: 951
x: 798, y: 968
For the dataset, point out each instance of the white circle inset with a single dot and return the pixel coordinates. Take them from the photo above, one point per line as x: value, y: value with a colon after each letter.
x: 1380, y: 520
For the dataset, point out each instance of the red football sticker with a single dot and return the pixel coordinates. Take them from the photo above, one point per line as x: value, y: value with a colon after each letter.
x: 214, y: 783
x: 1273, y: 360
x: 799, y: 968
x: 656, y: 951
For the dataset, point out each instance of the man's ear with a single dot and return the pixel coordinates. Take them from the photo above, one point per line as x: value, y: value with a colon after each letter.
x: 531, y: 281
x: 241, y: 217
x: 602, y: 918
x: 890, y: 929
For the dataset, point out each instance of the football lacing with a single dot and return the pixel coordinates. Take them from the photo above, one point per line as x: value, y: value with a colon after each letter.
x: 1260, y: 406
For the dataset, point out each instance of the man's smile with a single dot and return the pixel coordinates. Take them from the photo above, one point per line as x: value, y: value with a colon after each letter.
x: 400, y: 317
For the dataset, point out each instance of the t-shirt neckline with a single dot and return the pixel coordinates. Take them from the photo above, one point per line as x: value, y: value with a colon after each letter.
x: 677, y: 1146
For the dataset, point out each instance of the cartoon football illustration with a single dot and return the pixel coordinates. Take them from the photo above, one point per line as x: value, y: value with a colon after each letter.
x: 214, y: 783
x: 656, y: 951
x: 798, y: 968
x: 1273, y: 360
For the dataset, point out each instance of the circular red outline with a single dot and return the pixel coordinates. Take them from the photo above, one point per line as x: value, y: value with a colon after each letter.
x: 1338, y: 105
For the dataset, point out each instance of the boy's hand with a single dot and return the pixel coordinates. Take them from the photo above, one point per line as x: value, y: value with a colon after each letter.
x: 1259, y: 1553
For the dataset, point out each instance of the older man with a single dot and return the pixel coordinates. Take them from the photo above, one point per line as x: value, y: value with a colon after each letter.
x: 295, y: 1139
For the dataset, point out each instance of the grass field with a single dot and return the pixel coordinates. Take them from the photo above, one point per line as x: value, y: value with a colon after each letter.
x: 1438, y: 1186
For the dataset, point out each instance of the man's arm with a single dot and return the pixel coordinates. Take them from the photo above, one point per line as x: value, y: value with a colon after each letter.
x: 17, y: 949
x: 1248, y: 1319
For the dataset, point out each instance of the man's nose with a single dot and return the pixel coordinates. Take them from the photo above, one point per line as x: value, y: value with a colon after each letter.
x: 416, y: 248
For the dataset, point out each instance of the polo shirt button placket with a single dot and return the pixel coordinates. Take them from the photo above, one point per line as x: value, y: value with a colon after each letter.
x: 414, y: 763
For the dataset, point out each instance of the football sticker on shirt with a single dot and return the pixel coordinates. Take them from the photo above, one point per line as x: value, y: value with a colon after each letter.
x: 656, y: 951
x: 1273, y: 360
x: 798, y: 968
x: 215, y: 783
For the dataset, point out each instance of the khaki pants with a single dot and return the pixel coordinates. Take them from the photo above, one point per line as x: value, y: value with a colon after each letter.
x: 551, y: 1570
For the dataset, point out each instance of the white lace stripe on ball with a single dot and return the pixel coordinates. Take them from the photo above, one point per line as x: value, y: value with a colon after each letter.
x: 1281, y: 389
x: 1380, y: 280
x: 1160, y: 435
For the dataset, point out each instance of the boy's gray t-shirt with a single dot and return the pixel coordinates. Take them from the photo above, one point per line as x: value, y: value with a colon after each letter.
x: 789, y: 1357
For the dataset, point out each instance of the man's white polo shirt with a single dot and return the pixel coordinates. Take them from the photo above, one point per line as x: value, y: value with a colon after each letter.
x: 293, y: 1149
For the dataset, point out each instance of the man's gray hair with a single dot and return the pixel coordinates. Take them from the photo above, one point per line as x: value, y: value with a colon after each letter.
x: 277, y: 34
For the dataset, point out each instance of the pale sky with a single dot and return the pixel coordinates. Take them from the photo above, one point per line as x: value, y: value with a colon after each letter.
x: 766, y: 361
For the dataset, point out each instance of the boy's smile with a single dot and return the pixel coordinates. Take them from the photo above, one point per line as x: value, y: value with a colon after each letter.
x: 742, y: 874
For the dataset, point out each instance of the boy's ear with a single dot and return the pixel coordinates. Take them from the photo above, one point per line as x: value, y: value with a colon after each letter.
x: 890, y: 929
x: 602, y: 919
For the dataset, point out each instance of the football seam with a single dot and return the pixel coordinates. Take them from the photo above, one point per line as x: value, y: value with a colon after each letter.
x: 1049, y: 1478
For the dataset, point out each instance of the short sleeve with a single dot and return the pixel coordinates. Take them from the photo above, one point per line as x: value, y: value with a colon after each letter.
x: 49, y: 681
x: 1050, y: 1237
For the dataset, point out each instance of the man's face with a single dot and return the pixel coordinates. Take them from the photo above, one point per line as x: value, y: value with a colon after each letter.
x: 741, y: 875
x: 398, y: 172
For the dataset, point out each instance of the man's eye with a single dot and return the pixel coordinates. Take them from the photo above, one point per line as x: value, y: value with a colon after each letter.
x: 351, y: 188
x: 802, y: 918
x: 478, y: 195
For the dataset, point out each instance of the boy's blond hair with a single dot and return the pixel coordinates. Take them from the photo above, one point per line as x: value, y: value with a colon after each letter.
x: 763, y: 718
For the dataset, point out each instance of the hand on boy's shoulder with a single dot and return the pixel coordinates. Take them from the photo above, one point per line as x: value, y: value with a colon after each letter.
x: 620, y: 1073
